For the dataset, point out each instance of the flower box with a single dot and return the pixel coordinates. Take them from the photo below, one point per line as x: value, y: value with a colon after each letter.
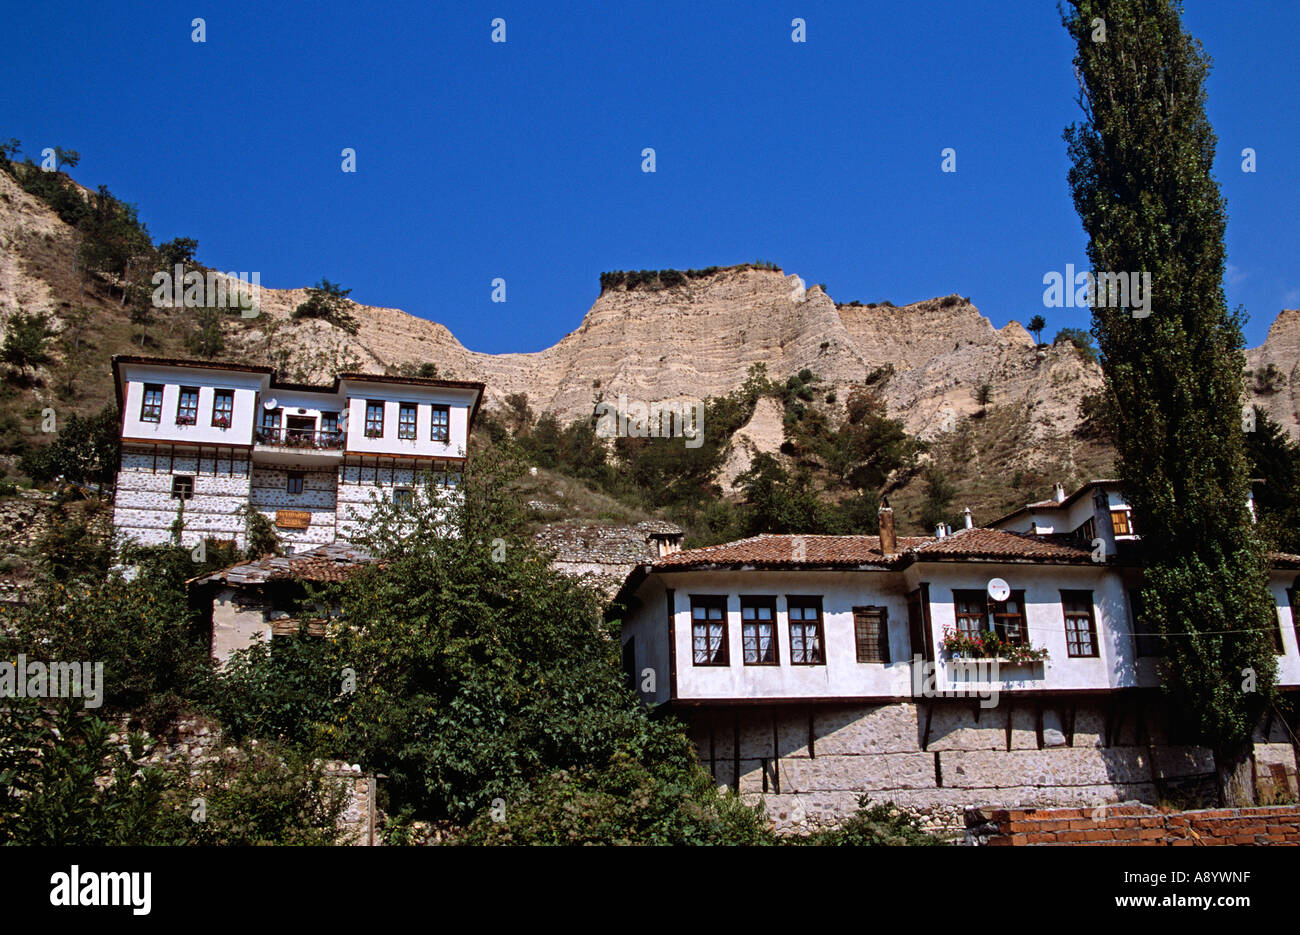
x: 989, y: 645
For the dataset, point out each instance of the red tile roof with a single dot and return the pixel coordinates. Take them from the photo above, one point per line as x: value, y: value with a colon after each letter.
x: 781, y: 551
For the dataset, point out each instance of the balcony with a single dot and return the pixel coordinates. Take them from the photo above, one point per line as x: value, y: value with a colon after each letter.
x: 298, y: 445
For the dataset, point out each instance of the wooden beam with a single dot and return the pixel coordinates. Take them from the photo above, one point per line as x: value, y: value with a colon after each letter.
x: 929, y: 713
x: 1009, y: 708
x: 735, y: 749
x: 1038, y: 722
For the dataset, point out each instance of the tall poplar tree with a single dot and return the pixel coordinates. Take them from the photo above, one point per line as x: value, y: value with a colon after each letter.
x: 1143, y: 188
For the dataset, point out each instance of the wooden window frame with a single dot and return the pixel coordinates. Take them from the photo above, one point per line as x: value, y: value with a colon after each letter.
x: 991, y: 618
x: 999, y: 618
x: 218, y: 410
x: 329, y: 423
x: 146, y: 408
x: 1124, y: 516
x: 876, y: 646
x: 964, y: 596
x: 805, y: 600
x: 1074, y: 595
x: 187, y: 415
x: 370, y: 430
x: 179, y: 483
x: 722, y: 658
x: 444, y: 424
x: 271, y: 419
x: 403, y: 410
x: 403, y: 496
x: 752, y: 601
x: 290, y: 477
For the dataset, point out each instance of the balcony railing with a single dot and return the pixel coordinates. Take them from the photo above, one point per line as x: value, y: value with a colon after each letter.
x: 300, y: 438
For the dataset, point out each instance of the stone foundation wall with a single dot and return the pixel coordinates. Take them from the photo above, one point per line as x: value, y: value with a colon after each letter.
x: 269, y: 493
x: 809, y: 765
x: 144, y: 508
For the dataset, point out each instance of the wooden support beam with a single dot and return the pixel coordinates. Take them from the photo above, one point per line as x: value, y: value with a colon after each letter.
x: 1038, y: 722
x: 929, y: 713
x: 735, y: 750
x: 776, y: 756
x: 1069, y: 729
x: 1009, y: 709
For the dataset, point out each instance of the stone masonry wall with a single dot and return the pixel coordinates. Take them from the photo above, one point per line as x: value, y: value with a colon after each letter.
x: 269, y: 493
x: 810, y: 764
x: 1134, y: 824
x: 144, y: 508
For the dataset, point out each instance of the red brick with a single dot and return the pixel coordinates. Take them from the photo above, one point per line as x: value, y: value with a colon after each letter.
x: 1040, y: 838
x: 1150, y: 834
x: 1098, y: 835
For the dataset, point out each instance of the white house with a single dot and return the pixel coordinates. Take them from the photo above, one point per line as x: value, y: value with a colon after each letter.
x: 200, y: 440
x: 812, y: 669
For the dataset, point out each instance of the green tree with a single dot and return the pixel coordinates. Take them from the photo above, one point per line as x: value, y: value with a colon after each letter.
x: 26, y: 341
x: 84, y: 451
x: 1036, y: 325
x: 207, y: 339
x: 329, y: 301
x: 1142, y: 184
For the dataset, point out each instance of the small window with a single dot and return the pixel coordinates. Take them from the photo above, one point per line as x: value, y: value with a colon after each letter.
x: 374, y: 419
x: 1088, y: 531
x: 440, y: 430
x: 151, y: 405
x: 1121, y: 522
x: 270, y: 427
x: 406, y: 420
x: 709, y: 630
x: 187, y: 408
x: 329, y: 423
x: 182, y: 487
x: 295, y: 482
x: 806, y: 637
x: 971, y: 609
x: 871, y: 632
x: 1080, y: 623
x: 1009, y: 618
x: 403, y: 496
x: 758, y: 630
x: 223, y: 408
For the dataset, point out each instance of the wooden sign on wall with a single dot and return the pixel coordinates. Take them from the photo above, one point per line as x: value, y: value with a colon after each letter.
x: 292, y: 519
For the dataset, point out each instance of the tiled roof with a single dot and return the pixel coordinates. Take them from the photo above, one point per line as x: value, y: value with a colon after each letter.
x: 334, y: 562
x: 995, y: 544
x: 770, y: 550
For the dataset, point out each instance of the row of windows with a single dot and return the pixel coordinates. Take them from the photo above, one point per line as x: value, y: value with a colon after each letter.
x: 439, y: 422
x: 187, y: 405
x: 975, y: 613
x: 223, y: 408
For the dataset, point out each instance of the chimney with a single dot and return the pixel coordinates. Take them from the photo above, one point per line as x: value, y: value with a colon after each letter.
x: 1058, y: 493
x: 888, y: 537
x: 940, y: 531
x: 970, y: 522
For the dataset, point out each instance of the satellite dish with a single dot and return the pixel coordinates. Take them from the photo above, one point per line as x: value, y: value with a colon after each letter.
x: 268, y: 403
x: 998, y: 589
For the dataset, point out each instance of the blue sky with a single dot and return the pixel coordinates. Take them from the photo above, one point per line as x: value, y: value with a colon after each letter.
x: 522, y: 160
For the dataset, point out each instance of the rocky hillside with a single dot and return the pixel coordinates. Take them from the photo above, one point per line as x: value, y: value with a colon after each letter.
x: 685, y: 341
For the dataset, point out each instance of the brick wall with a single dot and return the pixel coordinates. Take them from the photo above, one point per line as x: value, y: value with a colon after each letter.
x: 1133, y: 824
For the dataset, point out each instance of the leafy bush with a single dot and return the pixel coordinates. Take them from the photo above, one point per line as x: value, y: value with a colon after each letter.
x: 879, y: 825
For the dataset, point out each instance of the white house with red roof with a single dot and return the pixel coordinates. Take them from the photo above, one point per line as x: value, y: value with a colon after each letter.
x: 812, y: 669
